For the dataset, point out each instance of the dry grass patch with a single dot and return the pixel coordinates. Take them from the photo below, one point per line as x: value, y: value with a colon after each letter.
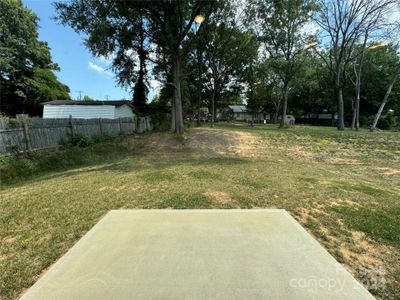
x: 351, y: 209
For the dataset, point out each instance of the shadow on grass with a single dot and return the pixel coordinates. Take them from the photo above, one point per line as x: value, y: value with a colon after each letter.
x: 129, y: 163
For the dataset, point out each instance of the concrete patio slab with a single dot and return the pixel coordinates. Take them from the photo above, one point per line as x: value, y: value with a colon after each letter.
x: 197, y: 254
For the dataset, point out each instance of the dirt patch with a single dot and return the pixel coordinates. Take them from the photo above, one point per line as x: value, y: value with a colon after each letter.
x: 305, y: 216
x: 204, y: 141
x: 340, y: 202
x: 9, y: 240
x: 364, y: 258
x: 300, y: 152
x: 389, y: 171
x: 158, y: 142
x: 367, y: 260
x: 372, y: 253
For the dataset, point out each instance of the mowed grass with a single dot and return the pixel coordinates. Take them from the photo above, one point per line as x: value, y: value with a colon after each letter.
x: 344, y: 187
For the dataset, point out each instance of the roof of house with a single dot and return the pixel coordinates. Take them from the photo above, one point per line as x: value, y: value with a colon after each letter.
x: 91, y: 102
x: 238, y: 108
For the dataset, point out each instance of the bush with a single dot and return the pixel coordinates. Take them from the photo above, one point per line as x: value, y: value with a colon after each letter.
x: 81, y: 140
x: 77, y: 140
x: 161, y: 121
x: 387, y: 121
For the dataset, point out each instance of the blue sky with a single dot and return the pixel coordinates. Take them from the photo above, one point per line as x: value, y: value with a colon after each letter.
x: 79, y: 69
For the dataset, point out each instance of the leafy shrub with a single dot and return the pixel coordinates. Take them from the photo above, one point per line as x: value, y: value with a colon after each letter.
x: 76, y: 140
x: 81, y: 140
x: 161, y: 121
x: 387, y: 121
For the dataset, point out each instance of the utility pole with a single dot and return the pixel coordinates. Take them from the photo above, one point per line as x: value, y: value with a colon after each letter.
x: 80, y: 94
x: 107, y: 97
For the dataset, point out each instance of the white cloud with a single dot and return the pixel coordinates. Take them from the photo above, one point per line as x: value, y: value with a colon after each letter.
x: 155, y: 85
x: 310, y: 28
x: 99, y: 69
x: 130, y: 53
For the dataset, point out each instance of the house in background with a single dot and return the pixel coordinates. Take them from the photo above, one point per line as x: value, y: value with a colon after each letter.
x: 62, y: 109
x: 240, y: 114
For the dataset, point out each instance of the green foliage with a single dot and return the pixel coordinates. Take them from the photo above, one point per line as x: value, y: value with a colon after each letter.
x: 120, y: 27
x: 43, y: 86
x: 14, y: 168
x: 378, y: 70
x: 80, y: 140
x: 388, y: 121
x: 26, y: 68
x: 224, y: 52
x: 160, y: 110
x: 311, y: 89
x: 279, y: 25
x: 87, y: 98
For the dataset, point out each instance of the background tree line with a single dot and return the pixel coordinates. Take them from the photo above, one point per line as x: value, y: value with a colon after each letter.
x: 292, y: 56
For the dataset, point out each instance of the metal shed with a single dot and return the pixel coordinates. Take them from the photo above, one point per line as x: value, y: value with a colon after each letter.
x: 62, y: 109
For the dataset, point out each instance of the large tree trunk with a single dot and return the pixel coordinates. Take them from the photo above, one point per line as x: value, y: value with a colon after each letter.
x: 276, y: 112
x: 177, y: 105
x: 356, y: 112
x: 173, y: 114
x: 353, y: 119
x: 140, y: 89
x: 339, y: 98
x: 386, y: 98
x: 355, y: 122
x: 340, y: 107
x: 284, y: 107
x: 213, y: 107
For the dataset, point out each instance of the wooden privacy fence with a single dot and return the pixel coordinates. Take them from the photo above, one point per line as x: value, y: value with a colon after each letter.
x: 26, y: 134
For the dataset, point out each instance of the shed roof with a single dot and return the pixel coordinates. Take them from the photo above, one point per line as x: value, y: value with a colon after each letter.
x: 91, y: 102
x: 238, y: 108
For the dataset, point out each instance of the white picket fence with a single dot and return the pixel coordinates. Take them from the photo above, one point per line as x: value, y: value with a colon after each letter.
x: 25, y: 134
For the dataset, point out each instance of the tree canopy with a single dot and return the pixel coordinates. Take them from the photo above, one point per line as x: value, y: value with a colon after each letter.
x: 123, y: 28
x: 209, y: 54
x: 26, y: 69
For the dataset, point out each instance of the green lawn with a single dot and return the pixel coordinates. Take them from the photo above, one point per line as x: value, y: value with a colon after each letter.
x: 342, y: 186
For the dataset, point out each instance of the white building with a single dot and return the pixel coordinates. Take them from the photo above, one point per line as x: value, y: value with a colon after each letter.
x: 62, y: 109
x: 240, y: 114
